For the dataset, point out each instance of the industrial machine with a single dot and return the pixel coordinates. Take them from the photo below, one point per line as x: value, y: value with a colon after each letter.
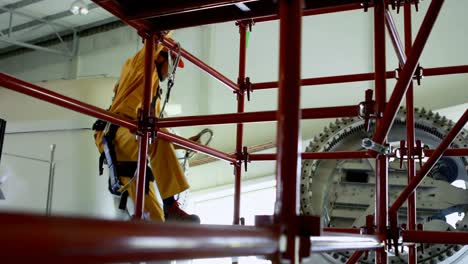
x: 342, y: 191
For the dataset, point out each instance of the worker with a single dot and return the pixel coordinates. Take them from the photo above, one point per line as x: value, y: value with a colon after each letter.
x: 119, y: 148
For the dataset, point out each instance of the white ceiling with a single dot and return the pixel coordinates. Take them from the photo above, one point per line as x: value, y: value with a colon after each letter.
x: 54, y: 11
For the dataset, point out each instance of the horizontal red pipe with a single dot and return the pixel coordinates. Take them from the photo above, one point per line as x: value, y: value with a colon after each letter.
x: 235, y: 118
x: 43, y: 94
x: 117, y: 10
x: 449, y: 152
x: 317, y: 155
x: 360, y: 77
x: 168, y: 8
x: 434, y: 237
x: 262, y: 157
x: 342, y: 230
x: 321, y: 80
x: 180, y: 141
x: 27, y: 238
x: 263, y: 116
x: 315, y: 11
x: 337, y: 155
x: 436, y: 155
x: 203, y: 66
x: 445, y: 70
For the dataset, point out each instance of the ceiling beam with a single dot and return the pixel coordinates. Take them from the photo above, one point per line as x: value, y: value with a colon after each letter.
x: 35, y: 47
x: 47, y: 19
x: 84, y: 30
x: 18, y: 5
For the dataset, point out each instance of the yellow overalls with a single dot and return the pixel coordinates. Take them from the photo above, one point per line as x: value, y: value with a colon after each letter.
x: 167, y: 172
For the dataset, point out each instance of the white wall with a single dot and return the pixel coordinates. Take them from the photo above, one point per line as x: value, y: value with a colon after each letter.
x: 32, y: 126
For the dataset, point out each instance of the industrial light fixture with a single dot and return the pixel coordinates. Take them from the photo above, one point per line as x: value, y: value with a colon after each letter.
x: 79, y: 7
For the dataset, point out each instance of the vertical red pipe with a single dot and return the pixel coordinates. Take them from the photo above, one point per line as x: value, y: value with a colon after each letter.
x: 355, y: 257
x: 240, y: 127
x: 408, y: 71
x: 288, y: 116
x: 410, y: 136
x: 144, y: 133
x: 381, y: 174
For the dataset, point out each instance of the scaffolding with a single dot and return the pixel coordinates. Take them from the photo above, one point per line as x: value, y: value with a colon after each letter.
x: 287, y: 234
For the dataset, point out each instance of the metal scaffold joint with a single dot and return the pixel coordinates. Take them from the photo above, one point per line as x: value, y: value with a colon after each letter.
x: 146, y: 124
x: 367, y: 109
x: 248, y: 23
x: 418, y: 74
x: 396, y: 4
x: 245, y: 87
x: 402, y: 152
x: 243, y: 157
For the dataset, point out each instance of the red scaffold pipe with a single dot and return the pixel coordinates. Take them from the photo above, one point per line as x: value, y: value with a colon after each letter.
x: 203, y: 66
x: 289, y: 116
x: 436, y: 155
x: 407, y: 72
x: 263, y: 116
x: 27, y: 238
x: 143, y: 138
x: 355, y: 257
x: 337, y: 155
x: 46, y: 95
x: 180, y: 141
x: 316, y: 11
x: 410, y: 136
x: 117, y: 10
x: 168, y: 8
x: 381, y: 162
x: 360, y: 77
x: 434, y: 237
x: 449, y: 152
x: 342, y: 230
x: 240, y: 127
x: 446, y: 70
x: 316, y: 155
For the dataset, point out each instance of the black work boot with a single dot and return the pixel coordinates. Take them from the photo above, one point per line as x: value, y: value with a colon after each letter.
x: 173, y: 213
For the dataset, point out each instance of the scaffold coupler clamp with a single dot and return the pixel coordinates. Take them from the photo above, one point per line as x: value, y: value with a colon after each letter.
x: 245, y: 87
x: 393, y: 232
x: 369, y: 144
x: 397, y: 4
x: 146, y: 124
x: 416, y: 5
x: 419, y: 74
x: 366, y: 109
x: 365, y: 5
x: 368, y: 229
x: 243, y: 157
x: 401, y: 152
x: 418, y: 152
x: 420, y: 227
x: 248, y: 23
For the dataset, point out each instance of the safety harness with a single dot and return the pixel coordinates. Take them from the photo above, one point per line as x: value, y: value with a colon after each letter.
x: 117, y: 168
